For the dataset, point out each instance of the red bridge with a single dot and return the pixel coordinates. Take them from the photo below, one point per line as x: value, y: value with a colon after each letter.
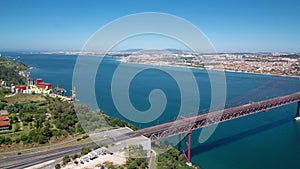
x: 186, y: 125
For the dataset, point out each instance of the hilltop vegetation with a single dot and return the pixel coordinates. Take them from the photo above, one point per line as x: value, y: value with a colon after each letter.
x: 9, y: 71
x: 11, y: 76
x: 11, y: 64
x: 169, y: 157
x: 37, y: 119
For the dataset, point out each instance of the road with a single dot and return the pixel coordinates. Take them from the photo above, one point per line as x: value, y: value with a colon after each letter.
x: 27, y: 160
x: 152, y: 160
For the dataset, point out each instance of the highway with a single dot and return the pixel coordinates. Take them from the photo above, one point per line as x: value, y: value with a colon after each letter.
x: 27, y: 160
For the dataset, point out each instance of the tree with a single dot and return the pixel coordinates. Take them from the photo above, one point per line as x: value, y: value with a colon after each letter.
x: 40, y: 119
x: 78, y: 128
x: 85, y: 150
x: 42, y: 139
x: 2, y: 140
x: 17, y: 140
x: 2, y: 105
x: 17, y: 127
x: 66, y: 159
x: 74, y: 156
x: 13, y: 118
x: 5, y: 140
x: 24, y: 138
x: 57, y: 166
x: 46, y: 131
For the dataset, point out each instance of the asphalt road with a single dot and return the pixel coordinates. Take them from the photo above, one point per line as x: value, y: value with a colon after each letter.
x: 27, y: 160
x: 152, y: 160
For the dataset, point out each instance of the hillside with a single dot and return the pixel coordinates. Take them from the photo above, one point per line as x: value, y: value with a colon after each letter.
x: 10, y: 71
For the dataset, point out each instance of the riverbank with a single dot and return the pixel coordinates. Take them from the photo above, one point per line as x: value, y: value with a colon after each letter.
x: 193, y: 67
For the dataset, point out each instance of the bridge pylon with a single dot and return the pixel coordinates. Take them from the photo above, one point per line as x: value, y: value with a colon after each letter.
x: 298, y: 110
x: 189, y: 147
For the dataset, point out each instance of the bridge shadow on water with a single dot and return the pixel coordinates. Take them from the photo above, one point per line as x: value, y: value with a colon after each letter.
x: 223, y: 141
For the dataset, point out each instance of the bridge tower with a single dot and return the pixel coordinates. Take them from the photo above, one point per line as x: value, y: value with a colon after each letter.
x: 188, y: 143
x: 298, y: 110
x: 189, y: 147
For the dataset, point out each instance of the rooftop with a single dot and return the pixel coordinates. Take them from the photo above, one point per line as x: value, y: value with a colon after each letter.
x: 4, y: 123
x: 3, y: 118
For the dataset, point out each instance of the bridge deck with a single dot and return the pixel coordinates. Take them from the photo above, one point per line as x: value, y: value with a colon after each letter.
x: 183, y: 125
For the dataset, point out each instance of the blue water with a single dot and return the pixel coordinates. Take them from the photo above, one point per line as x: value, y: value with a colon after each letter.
x: 264, y: 140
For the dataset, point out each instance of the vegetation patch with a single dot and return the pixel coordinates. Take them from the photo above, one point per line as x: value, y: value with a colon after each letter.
x: 10, y: 71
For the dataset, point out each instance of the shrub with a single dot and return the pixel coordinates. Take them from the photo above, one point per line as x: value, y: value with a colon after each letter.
x: 42, y: 139
x: 85, y: 136
x: 17, y: 140
x: 85, y: 150
x: 24, y: 138
x: 74, y: 156
x: 57, y: 166
x: 66, y: 159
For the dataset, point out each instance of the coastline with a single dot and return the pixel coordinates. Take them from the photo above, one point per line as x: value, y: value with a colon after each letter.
x: 167, y: 65
x: 192, y: 67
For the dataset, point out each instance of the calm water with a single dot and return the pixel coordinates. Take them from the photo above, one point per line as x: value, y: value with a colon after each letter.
x: 265, y: 140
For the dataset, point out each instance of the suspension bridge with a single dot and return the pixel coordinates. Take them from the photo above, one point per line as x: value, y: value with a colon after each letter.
x: 187, y: 125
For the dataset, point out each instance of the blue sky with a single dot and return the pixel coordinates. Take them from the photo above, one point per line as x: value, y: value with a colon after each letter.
x: 231, y: 25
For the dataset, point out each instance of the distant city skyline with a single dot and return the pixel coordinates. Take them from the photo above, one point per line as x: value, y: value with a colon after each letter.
x: 231, y: 26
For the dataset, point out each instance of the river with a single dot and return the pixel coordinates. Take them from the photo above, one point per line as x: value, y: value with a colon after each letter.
x: 263, y: 140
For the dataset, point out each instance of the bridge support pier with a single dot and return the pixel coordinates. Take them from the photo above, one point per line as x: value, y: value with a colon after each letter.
x: 298, y: 110
x: 189, y: 147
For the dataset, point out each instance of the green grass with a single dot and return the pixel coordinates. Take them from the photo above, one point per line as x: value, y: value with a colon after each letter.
x: 24, y: 97
x: 26, y: 129
x: 156, y: 161
x: 8, y: 132
x: 5, y: 132
x: 13, y: 64
x: 11, y: 134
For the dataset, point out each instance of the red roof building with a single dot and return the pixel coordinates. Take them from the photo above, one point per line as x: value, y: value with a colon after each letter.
x: 42, y: 85
x: 20, y: 87
x: 4, y: 123
x: 3, y: 118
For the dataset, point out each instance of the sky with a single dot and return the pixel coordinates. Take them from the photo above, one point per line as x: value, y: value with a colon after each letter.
x: 230, y: 25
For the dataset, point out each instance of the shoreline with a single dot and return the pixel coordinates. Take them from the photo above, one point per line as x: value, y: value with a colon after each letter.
x: 199, y: 68
x: 170, y: 65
